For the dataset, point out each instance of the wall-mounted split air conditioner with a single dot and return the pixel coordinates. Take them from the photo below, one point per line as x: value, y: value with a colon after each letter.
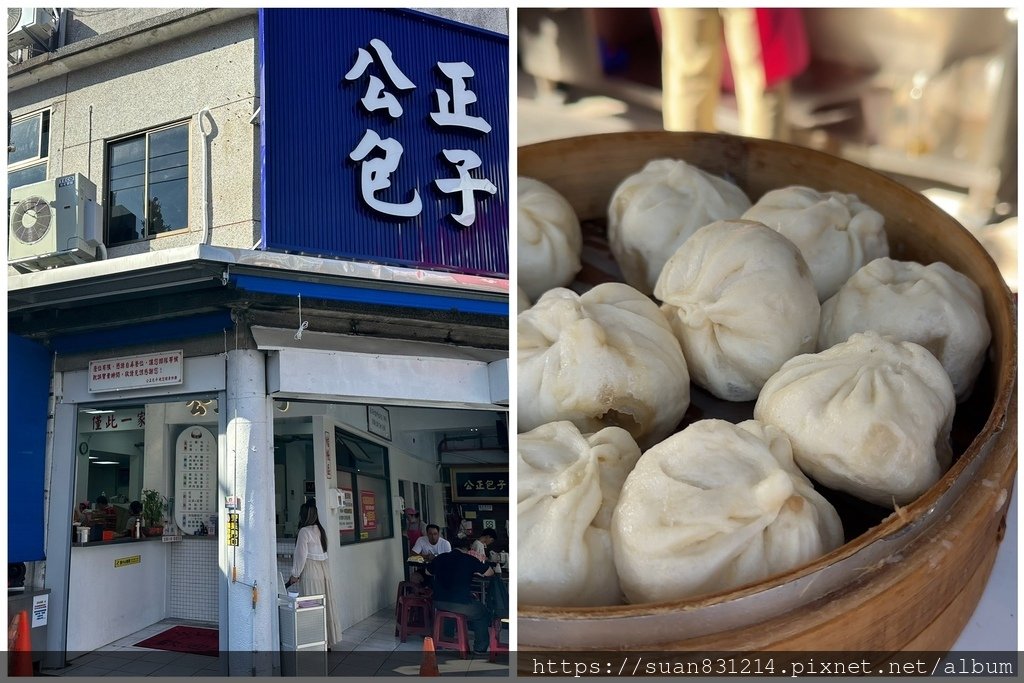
x: 29, y: 27
x: 53, y: 222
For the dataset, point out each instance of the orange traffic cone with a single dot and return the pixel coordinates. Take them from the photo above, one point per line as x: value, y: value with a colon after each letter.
x: 21, y: 652
x: 428, y: 667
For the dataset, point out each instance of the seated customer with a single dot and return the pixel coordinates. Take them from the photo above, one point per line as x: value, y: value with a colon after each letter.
x: 453, y: 577
x: 430, y: 546
x: 479, y: 547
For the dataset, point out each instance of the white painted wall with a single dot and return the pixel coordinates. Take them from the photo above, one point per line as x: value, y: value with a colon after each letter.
x: 104, y: 603
x: 156, y: 473
x: 376, y: 378
x: 295, y: 458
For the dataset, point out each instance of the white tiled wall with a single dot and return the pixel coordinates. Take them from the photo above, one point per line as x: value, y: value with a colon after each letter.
x: 285, y: 550
x: 193, y: 577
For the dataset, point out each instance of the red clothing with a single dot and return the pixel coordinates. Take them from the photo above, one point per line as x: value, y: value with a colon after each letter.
x: 106, y: 517
x: 785, y: 52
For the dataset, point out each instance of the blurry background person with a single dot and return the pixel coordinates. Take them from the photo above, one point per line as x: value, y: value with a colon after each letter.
x: 453, y: 574
x: 80, y: 513
x: 309, y: 566
x: 414, y: 526
x: 104, y: 514
x: 102, y: 517
x: 764, y: 48
x: 135, y: 515
x: 431, y: 545
x: 479, y: 547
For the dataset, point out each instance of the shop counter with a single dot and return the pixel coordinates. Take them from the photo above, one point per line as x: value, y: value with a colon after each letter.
x: 116, y: 541
x: 118, y: 587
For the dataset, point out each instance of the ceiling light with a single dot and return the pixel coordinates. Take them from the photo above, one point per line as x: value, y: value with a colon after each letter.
x: 106, y: 462
x: 96, y: 411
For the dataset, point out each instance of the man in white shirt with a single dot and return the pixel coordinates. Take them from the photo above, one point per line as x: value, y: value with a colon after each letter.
x: 430, y: 546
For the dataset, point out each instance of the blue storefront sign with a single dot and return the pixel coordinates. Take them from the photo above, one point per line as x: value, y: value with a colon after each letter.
x: 384, y: 138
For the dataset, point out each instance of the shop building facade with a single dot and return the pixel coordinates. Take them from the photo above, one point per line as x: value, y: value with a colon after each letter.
x: 284, y: 277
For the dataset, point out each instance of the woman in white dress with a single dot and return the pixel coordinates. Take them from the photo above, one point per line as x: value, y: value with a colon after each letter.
x: 309, y: 565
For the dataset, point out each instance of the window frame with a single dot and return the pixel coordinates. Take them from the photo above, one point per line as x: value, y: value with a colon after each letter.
x: 39, y: 159
x: 187, y: 123
x: 165, y: 482
x: 355, y: 474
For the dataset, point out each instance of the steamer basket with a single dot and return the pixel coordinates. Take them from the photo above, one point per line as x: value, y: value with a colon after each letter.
x: 905, y: 580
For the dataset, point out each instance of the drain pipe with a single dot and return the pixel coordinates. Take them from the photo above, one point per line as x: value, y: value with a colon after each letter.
x: 101, y: 248
x: 206, y: 172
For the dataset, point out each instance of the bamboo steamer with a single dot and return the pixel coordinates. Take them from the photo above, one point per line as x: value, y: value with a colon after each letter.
x: 907, y: 580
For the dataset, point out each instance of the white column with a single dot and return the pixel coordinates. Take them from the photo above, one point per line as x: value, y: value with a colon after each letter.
x: 250, y: 476
x: 156, y: 473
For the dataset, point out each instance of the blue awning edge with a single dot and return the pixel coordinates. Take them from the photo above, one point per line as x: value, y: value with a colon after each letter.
x: 28, y: 391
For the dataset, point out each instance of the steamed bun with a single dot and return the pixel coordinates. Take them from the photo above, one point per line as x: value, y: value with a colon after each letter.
x: 568, y: 484
x: 522, y: 300
x: 836, y: 233
x: 655, y: 210
x: 741, y: 302
x: 549, y: 239
x: 868, y: 416
x: 934, y: 306
x: 601, y: 359
x: 715, y: 507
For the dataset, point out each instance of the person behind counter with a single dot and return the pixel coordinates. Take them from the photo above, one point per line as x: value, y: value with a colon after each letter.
x: 104, y: 514
x: 309, y: 565
x: 453, y: 577
x: 430, y: 546
x: 102, y: 517
x: 134, y: 515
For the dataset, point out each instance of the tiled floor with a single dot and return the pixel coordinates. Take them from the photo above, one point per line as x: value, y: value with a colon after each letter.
x: 368, y: 648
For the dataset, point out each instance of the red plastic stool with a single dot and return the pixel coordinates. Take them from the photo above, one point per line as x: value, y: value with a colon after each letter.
x: 411, y: 606
x: 404, y: 588
x: 496, y: 644
x: 461, y: 641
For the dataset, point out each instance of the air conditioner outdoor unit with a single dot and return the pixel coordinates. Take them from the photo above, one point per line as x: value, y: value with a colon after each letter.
x: 29, y: 27
x: 53, y: 223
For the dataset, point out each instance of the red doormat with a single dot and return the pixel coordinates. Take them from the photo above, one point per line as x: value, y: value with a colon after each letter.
x: 191, y: 639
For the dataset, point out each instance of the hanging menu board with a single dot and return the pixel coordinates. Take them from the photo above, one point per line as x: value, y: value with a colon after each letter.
x: 195, y: 485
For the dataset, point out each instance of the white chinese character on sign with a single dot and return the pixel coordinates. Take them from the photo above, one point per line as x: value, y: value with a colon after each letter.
x: 451, y: 111
x: 465, y: 161
x: 376, y: 97
x: 376, y: 175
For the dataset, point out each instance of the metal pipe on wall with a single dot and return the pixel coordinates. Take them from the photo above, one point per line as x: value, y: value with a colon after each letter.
x: 206, y: 171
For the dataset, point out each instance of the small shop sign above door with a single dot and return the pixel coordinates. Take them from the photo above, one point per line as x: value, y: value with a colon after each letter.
x: 136, y: 372
x: 487, y: 483
x: 378, y: 421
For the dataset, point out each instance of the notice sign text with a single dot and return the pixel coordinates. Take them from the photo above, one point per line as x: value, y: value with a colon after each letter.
x: 135, y: 372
